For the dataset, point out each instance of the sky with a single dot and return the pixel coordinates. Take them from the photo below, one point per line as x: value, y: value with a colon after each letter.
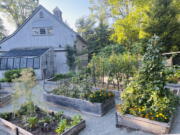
x: 71, y: 9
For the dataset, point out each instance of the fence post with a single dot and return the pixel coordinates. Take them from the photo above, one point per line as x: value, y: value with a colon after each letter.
x: 17, y: 131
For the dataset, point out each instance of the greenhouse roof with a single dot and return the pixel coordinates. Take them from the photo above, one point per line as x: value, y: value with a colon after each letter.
x: 25, y: 52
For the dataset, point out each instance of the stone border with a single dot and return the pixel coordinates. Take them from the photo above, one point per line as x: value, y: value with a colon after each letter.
x: 96, y: 109
x: 143, y: 124
x: 13, y: 128
x: 5, y: 99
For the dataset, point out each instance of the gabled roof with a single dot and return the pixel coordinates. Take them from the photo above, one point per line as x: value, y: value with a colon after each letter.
x: 29, y: 18
x: 24, y: 23
x: 25, y: 52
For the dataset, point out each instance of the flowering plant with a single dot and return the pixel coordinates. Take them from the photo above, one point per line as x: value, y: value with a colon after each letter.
x: 100, y: 96
x: 146, y: 96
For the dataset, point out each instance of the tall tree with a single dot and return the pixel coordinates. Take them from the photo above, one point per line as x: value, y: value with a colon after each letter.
x: 95, y: 28
x: 163, y: 21
x: 100, y: 11
x: 85, y: 27
x: 19, y: 10
x: 130, y: 17
x: 2, y: 30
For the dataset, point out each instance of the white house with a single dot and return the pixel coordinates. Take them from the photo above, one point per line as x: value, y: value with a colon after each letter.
x: 40, y: 43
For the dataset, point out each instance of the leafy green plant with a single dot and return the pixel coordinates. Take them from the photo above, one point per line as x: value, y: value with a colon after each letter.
x: 63, y: 76
x: 10, y: 75
x: 146, y: 96
x: 62, y: 126
x: 76, y: 120
x: 32, y: 122
x: 172, y: 74
x: 71, y: 53
x: 6, y: 116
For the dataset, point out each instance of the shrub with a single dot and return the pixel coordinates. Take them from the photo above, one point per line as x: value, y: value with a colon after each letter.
x: 146, y: 96
x: 12, y: 74
x: 100, y: 96
x: 6, y: 116
x: 63, y: 76
x: 75, y: 120
x: 172, y: 74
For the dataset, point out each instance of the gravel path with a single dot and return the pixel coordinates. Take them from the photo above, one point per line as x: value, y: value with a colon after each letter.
x: 94, y: 125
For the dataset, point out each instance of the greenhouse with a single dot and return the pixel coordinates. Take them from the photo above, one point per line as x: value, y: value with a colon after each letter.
x: 37, y: 59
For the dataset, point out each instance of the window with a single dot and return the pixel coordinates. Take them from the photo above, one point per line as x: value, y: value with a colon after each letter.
x: 30, y: 63
x: 35, y: 31
x: 23, y: 63
x: 10, y: 63
x: 41, y: 15
x: 36, y: 63
x: 3, y: 63
x: 16, y: 63
x: 49, y: 30
x: 42, y: 31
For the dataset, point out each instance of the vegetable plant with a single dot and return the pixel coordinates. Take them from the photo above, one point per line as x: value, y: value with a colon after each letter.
x: 146, y: 96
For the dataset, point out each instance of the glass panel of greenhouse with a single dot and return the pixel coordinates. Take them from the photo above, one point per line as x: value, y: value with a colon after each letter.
x: 16, y: 63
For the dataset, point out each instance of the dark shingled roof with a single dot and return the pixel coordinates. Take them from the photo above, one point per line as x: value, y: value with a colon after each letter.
x: 25, y: 52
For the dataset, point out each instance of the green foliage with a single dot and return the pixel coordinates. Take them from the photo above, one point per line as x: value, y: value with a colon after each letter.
x: 164, y: 22
x: 130, y: 18
x: 2, y: 30
x: 77, y: 87
x: 32, y: 122
x: 76, y: 120
x: 6, y: 116
x: 172, y: 74
x: 41, y: 120
x: 71, y: 53
x: 118, y: 67
x: 111, y: 49
x: 85, y: 27
x: 63, y: 76
x: 94, y: 28
x: 100, y: 96
x: 19, y: 10
x: 26, y: 109
x: 10, y: 75
x: 61, y: 126
x: 146, y: 96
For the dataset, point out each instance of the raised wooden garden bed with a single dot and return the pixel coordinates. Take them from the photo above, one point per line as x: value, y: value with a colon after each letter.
x: 97, y: 109
x: 46, y: 124
x: 14, y: 128
x: 143, y: 124
x: 5, y: 98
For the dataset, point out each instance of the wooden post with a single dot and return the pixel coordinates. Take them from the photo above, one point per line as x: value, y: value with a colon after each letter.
x: 17, y: 131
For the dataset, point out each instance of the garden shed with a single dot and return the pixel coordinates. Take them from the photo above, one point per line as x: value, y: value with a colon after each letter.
x: 39, y: 59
